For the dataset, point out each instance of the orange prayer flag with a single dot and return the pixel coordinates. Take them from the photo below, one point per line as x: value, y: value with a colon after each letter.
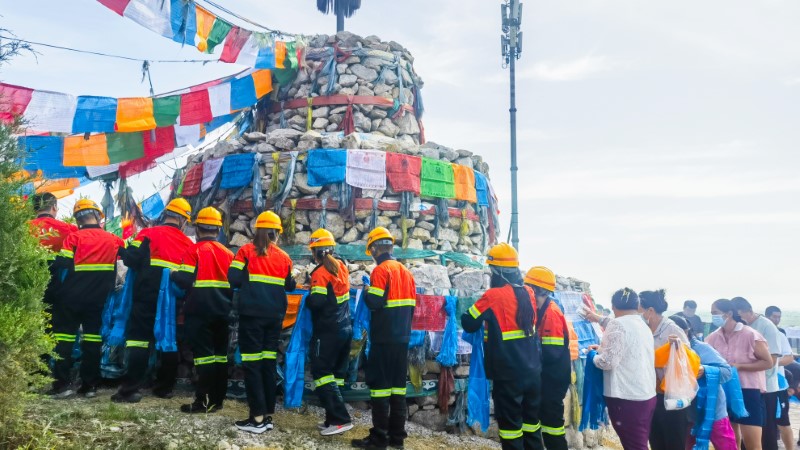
x: 54, y: 186
x: 135, y: 114
x: 262, y: 79
x: 205, y: 22
x: 79, y: 152
x: 280, y: 54
x: 464, y: 178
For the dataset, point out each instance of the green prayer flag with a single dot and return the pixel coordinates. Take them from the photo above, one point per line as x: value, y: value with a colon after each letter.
x: 437, y: 179
x: 218, y: 33
x: 123, y: 147
x: 291, y: 54
x: 114, y: 226
x: 166, y: 110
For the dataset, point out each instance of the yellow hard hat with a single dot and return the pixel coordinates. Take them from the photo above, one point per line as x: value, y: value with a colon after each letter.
x: 541, y: 276
x: 181, y: 207
x: 209, y: 216
x: 322, y: 238
x: 502, y: 255
x: 377, y: 234
x: 86, y: 204
x: 269, y: 220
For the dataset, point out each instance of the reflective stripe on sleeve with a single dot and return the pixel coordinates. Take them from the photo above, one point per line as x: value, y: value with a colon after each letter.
x: 342, y: 298
x: 473, y: 311
x: 238, y: 265
x: 92, y: 338
x: 269, y: 355
x: 339, y: 381
x: 376, y: 291
x: 221, y: 359
x: 67, y: 253
x: 319, y: 290
x: 187, y: 268
x: 514, y: 334
x: 251, y: 357
x: 137, y: 344
x: 205, y: 360
x: 136, y: 244
x: 162, y: 263
x: 62, y: 337
x: 552, y: 340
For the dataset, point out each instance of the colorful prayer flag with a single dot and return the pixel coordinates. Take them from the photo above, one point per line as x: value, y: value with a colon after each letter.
x: 79, y: 151
x: 135, y: 114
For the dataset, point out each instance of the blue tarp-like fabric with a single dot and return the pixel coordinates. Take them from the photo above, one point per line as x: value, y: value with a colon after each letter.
x: 95, y: 115
x: 243, y: 93
x: 153, y: 206
x: 478, y: 388
x: 733, y: 395
x: 326, y: 166
x: 586, y: 335
x: 594, y: 405
x: 164, y: 329
x: 706, y: 407
x: 46, y: 153
x: 120, y: 312
x: 482, y: 188
x: 447, y: 354
x: 294, y: 371
x: 237, y: 171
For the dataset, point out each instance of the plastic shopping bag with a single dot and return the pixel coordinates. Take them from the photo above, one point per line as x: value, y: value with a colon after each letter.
x: 680, y: 385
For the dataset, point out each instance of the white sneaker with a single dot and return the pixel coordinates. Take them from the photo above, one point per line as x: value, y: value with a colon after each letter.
x: 336, y: 429
x: 322, y: 425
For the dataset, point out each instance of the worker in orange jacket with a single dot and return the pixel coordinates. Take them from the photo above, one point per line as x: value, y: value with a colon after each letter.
x: 51, y: 233
x: 329, y: 303
x: 556, y: 360
x: 263, y: 274
x: 153, y: 250
x: 89, y: 257
x: 204, y: 275
x: 508, y: 313
x: 391, y: 299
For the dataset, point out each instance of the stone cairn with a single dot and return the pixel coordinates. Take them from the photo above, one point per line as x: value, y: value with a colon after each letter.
x: 364, y: 67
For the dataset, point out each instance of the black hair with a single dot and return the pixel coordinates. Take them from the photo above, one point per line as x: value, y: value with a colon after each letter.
x: 772, y: 310
x: 524, y: 310
x: 741, y: 304
x: 324, y: 256
x: 683, y: 324
x: 625, y: 299
x: 502, y: 276
x: 726, y: 306
x: 379, y: 248
x: 82, y: 217
x: 44, y: 201
x: 541, y: 292
x: 654, y: 299
x: 691, y: 304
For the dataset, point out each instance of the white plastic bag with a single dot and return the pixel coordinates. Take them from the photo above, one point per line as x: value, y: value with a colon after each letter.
x: 680, y: 385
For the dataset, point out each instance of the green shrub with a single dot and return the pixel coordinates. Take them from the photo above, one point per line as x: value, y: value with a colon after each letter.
x: 23, y: 279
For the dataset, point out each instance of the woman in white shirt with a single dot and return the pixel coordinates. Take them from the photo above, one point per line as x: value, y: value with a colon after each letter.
x: 626, y: 355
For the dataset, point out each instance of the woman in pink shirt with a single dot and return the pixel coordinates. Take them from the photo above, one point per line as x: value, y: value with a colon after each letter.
x: 746, y: 350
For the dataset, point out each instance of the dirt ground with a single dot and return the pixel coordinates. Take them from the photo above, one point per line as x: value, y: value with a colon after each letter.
x: 158, y: 424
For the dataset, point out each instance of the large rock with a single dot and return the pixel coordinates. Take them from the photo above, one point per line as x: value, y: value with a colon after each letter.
x: 365, y: 73
x: 469, y: 281
x: 348, y: 80
x: 431, y: 277
x: 430, y: 419
x: 333, y: 222
x: 449, y: 235
x: 301, y: 183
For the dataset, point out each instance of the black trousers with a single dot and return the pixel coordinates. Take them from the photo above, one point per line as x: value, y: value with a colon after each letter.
x: 386, y: 370
x: 551, y: 413
x: 140, y: 343
x: 516, y: 409
x: 770, y: 434
x: 669, y: 429
x: 330, y: 357
x: 258, y: 344
x: 68, y: 319
x: 208, y: 338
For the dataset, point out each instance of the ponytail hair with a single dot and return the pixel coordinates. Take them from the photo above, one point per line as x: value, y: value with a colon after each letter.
x: 324, y: 256
x: 263, y: 238
x: 524, y: 310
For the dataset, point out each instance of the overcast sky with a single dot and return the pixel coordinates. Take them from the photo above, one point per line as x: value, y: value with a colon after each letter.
x: 658, y: 141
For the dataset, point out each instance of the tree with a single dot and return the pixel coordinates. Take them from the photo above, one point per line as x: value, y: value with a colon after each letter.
x: 23, y: 278
x: 342, y: 9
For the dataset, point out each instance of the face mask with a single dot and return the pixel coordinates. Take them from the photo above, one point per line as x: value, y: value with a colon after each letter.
x: 717, y: 320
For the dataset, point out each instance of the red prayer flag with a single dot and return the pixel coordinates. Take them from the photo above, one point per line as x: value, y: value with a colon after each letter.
x: 118, y: 6
x: 13, y: 101
x: 429, y: 315
x: 236, y: 39
x: 164, y: 142
x: 403, y: 172
x: 195, y: 108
